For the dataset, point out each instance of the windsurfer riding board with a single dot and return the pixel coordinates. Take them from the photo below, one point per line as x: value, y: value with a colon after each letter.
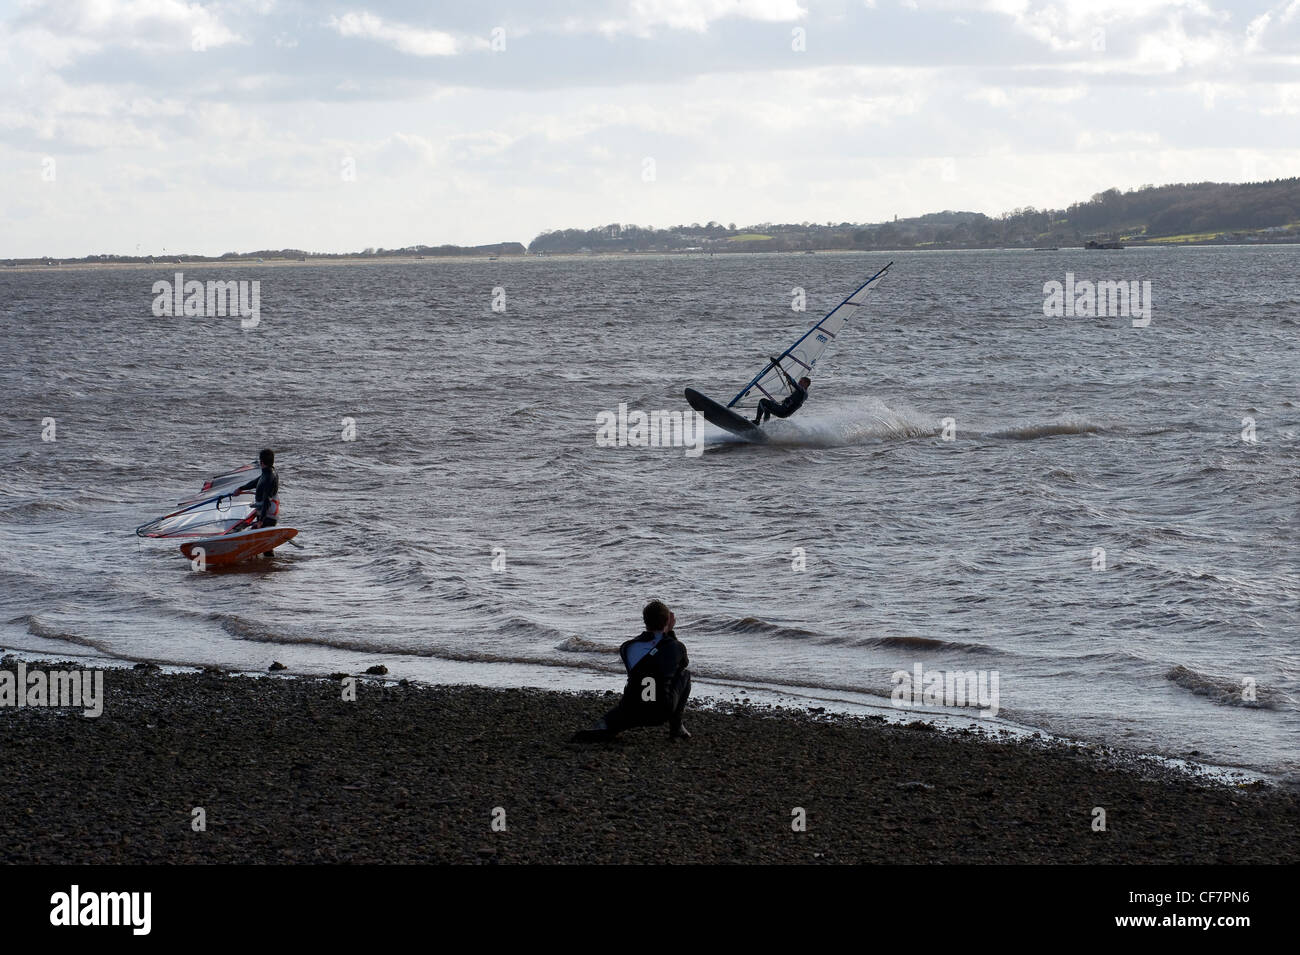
x: 793, y: 402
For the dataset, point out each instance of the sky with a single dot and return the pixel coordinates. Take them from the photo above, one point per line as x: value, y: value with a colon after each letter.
x: 155, y: 126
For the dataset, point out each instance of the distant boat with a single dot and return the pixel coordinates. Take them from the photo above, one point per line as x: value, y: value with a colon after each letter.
x: 1094, y: 244
x: 1048, y: 248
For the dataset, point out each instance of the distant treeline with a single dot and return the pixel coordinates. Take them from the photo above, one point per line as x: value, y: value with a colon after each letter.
x: 1185, y: 212
x: 179, y: 258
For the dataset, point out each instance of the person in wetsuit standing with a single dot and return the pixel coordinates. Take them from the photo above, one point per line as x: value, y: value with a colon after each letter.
x: 658, y: 681
x: 792, y: 403
x: 265, y: 488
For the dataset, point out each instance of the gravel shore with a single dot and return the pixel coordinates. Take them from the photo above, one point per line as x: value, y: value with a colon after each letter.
x: 285, y: 770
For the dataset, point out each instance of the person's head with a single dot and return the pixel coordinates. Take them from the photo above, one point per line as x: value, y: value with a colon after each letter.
x: 804, y: 382
x: 657, y: 616
x: 267, y: 457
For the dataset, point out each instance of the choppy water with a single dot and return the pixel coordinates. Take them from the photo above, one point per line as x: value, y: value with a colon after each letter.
x: 476, y: 430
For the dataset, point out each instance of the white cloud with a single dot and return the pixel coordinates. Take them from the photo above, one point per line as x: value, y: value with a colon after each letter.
x: 1285, y: 101
x: 68, y: 30
x: 405, y: 39
x: 1256, y: 30
x: 1104, y: 139
x: 1073, y: 25
x: 1172, y: 48
x: 992, y: 95
x: 641, y: 17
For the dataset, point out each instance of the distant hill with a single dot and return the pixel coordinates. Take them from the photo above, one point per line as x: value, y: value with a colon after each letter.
x: 1185, y: 213
x: 1180, y: 214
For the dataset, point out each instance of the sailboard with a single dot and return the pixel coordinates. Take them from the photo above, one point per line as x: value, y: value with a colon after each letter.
x: 239, y: 546
x: 797, y: 361
x: 724, y: 417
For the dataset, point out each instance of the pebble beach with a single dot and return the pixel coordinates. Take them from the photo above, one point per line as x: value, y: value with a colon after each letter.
x: 208, y: 767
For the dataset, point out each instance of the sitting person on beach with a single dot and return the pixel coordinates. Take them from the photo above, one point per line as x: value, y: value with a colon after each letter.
x: 792, y: 403
x: 658, y: 681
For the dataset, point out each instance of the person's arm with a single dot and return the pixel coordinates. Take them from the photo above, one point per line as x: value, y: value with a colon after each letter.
x: 247, y: 487
x: 679, y: 653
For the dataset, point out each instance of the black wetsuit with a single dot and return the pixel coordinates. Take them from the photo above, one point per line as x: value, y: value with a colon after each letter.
x: 266, y: 488
x: 665, y: 664
x: 792, y: 403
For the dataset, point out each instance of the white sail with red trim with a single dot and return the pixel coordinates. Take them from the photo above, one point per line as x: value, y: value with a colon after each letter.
x: 224, y: 483
x: 207, y: 518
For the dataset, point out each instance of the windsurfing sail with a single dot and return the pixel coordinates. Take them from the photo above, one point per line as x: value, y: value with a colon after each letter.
x: 800, y: 358
x: 225, y: 483
x: 208, y: 518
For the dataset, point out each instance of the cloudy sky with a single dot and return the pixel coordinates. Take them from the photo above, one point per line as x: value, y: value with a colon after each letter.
x: 245, y: 124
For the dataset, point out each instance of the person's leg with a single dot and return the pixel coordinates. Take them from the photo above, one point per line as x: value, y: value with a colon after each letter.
x: 617, y: 719
x: 764, y: 410
x: 268, y: 522
x: 608, y: 726
x: 676, y: 730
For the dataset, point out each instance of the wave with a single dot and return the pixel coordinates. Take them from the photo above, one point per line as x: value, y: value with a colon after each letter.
x: 39, y: 628
x: 752, y: 625
x: 1225, y: 691
x: 529, y: 628
x: 577, y: 644
x: 927, y: 644
x: 579, y: 653
x: 861, y: 422
x: 757, y: 626
x: 43, y: 505
x: 1068, y: 424
x: 390, y: 568
x: 871, y: 420
x: 242, y: 629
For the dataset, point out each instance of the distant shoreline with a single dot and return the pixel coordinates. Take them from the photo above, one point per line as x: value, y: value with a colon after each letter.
x: 352, y: 260
x: 1179, y: 214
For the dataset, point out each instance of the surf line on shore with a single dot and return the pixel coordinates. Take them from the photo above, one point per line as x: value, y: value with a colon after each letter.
x: 53, y: 688
x: 952, y: 688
